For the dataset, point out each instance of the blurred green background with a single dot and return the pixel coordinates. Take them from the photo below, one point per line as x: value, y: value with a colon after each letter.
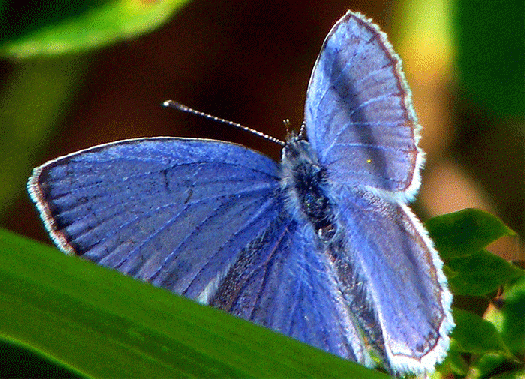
x: 82, y: 73
x: 95, y: 72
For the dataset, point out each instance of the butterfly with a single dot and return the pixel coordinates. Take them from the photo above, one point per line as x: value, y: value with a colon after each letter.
x: 321, y: 247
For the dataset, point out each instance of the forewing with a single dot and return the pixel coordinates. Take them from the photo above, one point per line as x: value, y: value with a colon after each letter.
x: 358, y: 112
x: 402, y: 276
x: 174, y: 212
x: 285, y: 281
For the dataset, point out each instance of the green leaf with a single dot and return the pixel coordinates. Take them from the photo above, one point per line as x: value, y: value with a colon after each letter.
x: 103, y: 324
x: 497, y: 366
x: 455, y: 363
x: 474, y: 335
x: 80, y: 26
x: 465, y: 232
x: 20, y: 362
x: 509, y: 317
x: 481, y: 273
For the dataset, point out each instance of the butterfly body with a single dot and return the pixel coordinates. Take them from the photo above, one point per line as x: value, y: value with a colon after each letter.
x: 321, y: 247
x: 304, y: 183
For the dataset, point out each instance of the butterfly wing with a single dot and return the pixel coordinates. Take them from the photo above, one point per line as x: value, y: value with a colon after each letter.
x: 358, y: 93
x: 173, y: 212
x: 361, y: 124
x: 285, y: 282
x: 403, y: 277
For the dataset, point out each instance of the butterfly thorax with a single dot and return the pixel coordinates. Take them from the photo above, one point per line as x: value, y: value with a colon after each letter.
x: 304, y: 181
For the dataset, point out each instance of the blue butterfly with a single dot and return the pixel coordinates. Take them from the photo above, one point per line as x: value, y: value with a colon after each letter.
x: 321, y: 247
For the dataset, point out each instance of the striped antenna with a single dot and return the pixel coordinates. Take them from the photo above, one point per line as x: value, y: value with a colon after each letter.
x: 184, y: 108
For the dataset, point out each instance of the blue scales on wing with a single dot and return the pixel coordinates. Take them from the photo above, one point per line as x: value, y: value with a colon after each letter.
x: 285, y: 282
x: 364, y: 133
x: 358, y: 114
x: 173, y: 212
x: 389, y: 246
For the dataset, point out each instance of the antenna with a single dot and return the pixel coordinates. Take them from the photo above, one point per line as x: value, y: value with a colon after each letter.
x: 184, y: 108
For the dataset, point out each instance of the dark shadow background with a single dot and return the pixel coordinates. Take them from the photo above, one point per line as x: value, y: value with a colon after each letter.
x: 250, y: 61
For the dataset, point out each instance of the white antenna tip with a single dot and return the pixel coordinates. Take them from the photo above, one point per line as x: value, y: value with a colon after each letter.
x: 184, y: 108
